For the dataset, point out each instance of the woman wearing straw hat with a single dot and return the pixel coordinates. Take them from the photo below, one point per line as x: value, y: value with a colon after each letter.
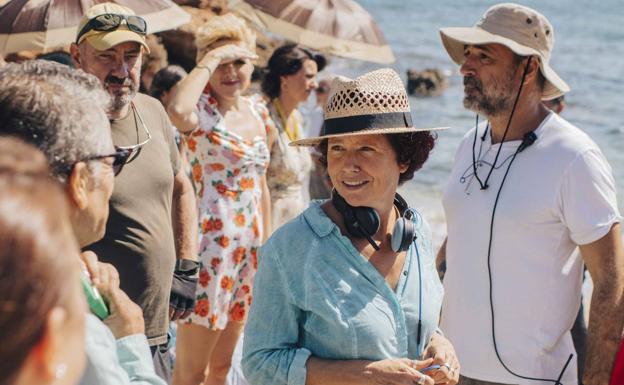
x: 347, y: 292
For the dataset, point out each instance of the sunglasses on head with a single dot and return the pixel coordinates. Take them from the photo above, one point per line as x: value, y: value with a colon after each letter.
x: 112, y: 21
x: 120, y: 157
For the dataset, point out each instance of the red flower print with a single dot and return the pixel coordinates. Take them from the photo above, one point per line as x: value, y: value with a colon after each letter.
x: 223, y: 241
x: 239, y: 220
x: 214, y: 138
x: 214, y: 262
x: 254, y: 258
x: 227, y: 283
x: 197, y: 172
x: 237, y: 313
x: 221, y: 189
x: 247, y: 183
x: 191, y: 144
x: 213, y: 320
x: 238, y: 255
x: 201, y: 307
x: 254, y: 226
x: 217, y: 166
x: 207, y: 225
x: 218, y: 224
x: 204, y: 278
x: 245, y: 289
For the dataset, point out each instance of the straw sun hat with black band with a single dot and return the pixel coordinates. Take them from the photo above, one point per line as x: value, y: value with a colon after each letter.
x: 374, y: 103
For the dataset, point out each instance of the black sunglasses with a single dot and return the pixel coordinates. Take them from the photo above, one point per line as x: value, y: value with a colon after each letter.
x: 111, y: 21
x: 120, y: 157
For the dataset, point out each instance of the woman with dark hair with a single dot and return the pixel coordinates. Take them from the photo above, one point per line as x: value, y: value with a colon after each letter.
x: 42, y: 308
x: 290, y: 78
x: 164, y: 81
x: 348, y: 293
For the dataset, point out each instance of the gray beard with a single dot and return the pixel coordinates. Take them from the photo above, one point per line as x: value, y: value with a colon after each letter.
x: 120, y: 101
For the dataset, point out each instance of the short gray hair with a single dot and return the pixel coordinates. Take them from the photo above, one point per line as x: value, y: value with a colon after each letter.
x: 60, y: 110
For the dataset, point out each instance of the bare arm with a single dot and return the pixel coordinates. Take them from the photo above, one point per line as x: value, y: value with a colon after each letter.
x: 605, y: 261
x: 182, y: 106
x: 265, y: 207
x: 441, y: 259
x: 184, y: 217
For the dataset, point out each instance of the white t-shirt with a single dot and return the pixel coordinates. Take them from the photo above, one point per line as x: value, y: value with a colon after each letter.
x: 559, y: 193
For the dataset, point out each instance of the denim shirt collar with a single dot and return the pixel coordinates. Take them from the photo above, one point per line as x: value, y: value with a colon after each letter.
x: 318, y: 220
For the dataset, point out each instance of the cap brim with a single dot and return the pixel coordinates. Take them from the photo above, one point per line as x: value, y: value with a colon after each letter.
x: 315, y: 141
x: 455, y: 39
x: 106, y: 40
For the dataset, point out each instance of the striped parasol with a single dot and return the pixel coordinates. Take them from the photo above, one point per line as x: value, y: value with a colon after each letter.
x: 336, y: 27
x: 46, y: 24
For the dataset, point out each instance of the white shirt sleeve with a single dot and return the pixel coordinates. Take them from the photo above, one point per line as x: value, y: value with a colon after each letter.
x: 587, y: 198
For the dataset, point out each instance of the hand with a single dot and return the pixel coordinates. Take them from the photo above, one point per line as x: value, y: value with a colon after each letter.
x: 401, y: 371
x: 443, y: 354
x: 90, y: 263
x: 183, y: 287
x: 225, y: 54
x: 126, y: 317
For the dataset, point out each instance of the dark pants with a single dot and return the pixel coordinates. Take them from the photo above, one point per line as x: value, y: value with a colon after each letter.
x: 579, y: 337
x: 160, y: 355
x: 471, y: 381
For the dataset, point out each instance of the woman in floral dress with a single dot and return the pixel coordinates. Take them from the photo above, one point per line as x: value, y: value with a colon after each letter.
x: 228, y: 154
x: 290, y: 79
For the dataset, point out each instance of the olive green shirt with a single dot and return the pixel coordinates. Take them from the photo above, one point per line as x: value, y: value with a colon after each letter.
x: 139, y: 239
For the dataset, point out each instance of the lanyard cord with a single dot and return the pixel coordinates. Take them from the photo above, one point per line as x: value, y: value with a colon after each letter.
x: 484, y: 185
x: 292, y: 135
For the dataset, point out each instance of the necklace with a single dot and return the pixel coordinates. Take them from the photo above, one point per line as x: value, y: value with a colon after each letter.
x: 292, y: 134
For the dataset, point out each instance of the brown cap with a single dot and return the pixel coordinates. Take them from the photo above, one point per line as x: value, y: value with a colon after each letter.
x: 521, y: 29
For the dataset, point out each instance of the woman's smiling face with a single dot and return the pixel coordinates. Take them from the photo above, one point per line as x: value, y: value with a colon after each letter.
x: 364, y: 169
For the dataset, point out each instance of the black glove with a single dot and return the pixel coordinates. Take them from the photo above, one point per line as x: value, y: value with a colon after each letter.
x: 183, y: 287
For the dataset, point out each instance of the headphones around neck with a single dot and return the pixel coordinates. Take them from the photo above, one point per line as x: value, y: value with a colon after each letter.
x: 364, y: 222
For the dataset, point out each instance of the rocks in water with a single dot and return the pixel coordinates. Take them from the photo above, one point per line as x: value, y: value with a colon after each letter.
x: 428, y: 82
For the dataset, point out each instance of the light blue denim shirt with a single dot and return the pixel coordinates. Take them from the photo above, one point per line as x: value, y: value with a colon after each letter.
x: 315, y: 294
x: 126, y: 361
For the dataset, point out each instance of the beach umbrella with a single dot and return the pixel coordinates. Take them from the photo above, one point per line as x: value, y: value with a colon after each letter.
x: 336, y: 27
x: 45, y: 24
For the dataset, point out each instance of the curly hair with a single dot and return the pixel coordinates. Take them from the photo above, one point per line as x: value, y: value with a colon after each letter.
x: 287, y: 60
x: 411, y: 148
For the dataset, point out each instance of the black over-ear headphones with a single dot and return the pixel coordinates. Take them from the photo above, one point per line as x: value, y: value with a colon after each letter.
x: 364, y: 222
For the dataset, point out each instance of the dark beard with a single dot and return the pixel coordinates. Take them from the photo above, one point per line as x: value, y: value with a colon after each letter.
x: 478, y: 101
x: 120, y: 99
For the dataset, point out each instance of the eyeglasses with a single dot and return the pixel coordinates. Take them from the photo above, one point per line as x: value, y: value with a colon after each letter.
x: 135, y: 149
x: 120, y: 157
x: 111, y: 21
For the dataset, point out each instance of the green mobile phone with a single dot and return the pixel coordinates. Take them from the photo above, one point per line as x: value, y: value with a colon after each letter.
x: 94, y: 299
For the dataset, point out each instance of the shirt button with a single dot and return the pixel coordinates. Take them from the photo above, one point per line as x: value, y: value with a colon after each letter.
x: 405, y: 273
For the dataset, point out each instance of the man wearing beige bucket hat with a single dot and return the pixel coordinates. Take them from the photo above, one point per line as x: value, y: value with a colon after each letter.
x: 526, y: 189
x: 153, y: 198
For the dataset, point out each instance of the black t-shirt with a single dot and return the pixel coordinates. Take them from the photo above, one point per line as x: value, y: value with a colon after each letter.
x: 139, y: 239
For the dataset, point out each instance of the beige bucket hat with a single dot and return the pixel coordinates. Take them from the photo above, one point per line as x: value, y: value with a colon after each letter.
x: 521, y: 29
x: 103, y: 40
x: 374, y: 103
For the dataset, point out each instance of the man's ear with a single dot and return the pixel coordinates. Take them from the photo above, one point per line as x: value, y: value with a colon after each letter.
x: 75, y: 55
x: 533, y: 71
x: 78, y: 185
x: 44, y: 359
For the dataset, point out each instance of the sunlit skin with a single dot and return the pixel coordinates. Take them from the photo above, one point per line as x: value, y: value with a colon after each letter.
x: 492, y: 81
x: 296, y: 88
x: 364, y: 170
x: 118, y: 68
x: 489, y: 78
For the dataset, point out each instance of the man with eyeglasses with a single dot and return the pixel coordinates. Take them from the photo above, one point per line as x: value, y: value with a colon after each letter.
x: 152, y: 209
x: 75, y: 137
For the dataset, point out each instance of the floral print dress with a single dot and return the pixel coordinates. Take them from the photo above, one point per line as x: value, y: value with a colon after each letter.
x: 226, y: 170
